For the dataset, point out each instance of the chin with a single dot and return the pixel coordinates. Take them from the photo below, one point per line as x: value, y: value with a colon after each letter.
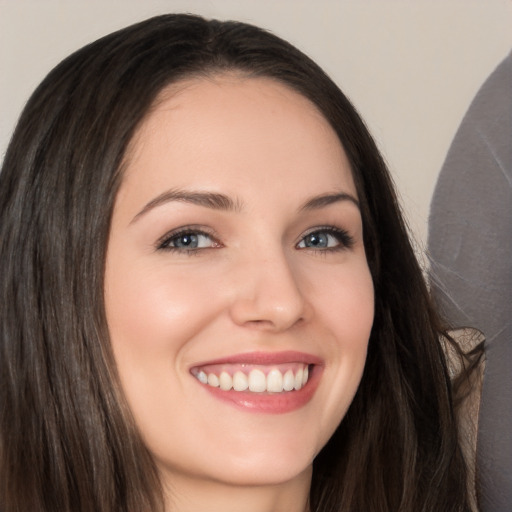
x: 246, y: 462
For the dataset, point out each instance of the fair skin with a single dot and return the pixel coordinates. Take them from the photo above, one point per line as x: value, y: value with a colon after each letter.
x: 236, y: 247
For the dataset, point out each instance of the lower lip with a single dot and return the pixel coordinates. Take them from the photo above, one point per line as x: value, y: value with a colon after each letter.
x: 272, y: 403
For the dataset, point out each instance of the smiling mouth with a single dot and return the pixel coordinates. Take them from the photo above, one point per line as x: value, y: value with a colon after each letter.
x: 280, y: 378
x: 262, y: 382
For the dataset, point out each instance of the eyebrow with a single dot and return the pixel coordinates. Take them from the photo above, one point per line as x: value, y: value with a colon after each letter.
x: 323, y: 200
x: 217, y: 201
x: 211, y: 200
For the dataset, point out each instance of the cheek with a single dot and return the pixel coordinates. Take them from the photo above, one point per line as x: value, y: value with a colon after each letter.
x: 344, y: 301
x: 345, y: 315
x: 350, y: 317
x: 156, y: 309
x: 154, y: 314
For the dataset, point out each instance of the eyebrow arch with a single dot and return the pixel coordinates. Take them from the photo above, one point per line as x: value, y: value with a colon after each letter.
x: 207, y: 199
x: 328, y: 199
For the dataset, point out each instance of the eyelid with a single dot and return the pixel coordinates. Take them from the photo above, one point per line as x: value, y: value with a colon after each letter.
x: 345, y: 239
x: 183, y: 230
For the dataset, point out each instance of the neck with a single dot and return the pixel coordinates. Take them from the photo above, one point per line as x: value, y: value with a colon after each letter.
x: 190, y: 496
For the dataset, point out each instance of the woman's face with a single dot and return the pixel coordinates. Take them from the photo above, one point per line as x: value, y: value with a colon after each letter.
x: 236, y: 260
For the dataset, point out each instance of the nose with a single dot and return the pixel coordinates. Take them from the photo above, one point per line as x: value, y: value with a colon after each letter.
x: 267, y: 294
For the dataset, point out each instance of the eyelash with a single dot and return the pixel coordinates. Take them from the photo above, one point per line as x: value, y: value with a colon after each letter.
x: 163, y: 244
x: 344, y: 239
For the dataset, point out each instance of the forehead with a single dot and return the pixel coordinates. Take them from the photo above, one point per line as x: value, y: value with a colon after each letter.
x: 230, y: 121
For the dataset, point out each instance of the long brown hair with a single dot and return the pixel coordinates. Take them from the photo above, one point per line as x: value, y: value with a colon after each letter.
x: 68, y: 441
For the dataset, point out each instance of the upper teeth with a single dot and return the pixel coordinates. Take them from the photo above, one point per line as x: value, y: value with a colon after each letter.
x: 256, y: 380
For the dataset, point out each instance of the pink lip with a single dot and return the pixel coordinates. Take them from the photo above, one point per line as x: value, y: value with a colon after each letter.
x: 272, y: 403
x: 266, y: 358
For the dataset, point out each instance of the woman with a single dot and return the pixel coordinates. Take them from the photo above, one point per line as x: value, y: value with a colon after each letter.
x: 209, y: 294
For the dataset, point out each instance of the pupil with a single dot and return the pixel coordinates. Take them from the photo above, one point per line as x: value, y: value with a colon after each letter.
x: 187, y: 241
x: 317, y: 240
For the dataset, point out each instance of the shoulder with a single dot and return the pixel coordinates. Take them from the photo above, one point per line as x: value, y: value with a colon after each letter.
x: 466, y: 363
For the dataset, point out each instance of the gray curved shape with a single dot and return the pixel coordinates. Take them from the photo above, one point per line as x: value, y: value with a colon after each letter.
x: 470, y: 247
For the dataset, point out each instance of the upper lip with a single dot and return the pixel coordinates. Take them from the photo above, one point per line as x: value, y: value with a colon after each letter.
x: 266, y: 358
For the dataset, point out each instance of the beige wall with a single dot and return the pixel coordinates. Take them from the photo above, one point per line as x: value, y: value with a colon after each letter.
x: 410, y: 66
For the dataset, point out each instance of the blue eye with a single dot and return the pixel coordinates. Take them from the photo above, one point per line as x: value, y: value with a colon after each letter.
x: 188, y: 240
x: 326, y: 239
